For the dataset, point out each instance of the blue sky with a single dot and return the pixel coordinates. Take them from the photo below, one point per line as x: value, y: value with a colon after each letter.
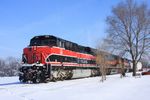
x: 80, y: 21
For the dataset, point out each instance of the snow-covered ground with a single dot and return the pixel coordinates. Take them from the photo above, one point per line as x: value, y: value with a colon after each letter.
x: 114, y: 88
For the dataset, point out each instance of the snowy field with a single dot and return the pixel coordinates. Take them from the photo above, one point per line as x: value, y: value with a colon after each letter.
x: 114, y: 88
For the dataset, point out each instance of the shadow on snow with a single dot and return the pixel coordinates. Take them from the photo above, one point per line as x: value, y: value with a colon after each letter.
x: 11, y: 83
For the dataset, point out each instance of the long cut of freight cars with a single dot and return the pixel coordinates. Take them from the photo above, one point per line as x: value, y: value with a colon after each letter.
x: 49, y: 58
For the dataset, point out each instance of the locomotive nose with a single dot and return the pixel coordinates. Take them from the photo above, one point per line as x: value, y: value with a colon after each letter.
x: 37, y: 57
x: 32, y: 55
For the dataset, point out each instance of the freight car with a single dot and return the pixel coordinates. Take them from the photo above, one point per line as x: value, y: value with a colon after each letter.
x: 49, y: 58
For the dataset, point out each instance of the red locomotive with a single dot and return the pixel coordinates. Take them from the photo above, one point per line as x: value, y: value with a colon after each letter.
x: 49, y: 58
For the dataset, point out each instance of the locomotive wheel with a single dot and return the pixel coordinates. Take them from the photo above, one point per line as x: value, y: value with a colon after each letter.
x: 54, y: 79
x: 69, y: 74
x: 47, y: 80
x: 38, y: 77
x: 37, y: 80
x: 60, y: 75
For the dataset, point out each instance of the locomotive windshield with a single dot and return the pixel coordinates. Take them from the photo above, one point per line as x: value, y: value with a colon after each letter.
x: 43, y: 41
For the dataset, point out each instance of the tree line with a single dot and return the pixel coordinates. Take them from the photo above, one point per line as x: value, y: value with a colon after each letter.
x: 9, y: 66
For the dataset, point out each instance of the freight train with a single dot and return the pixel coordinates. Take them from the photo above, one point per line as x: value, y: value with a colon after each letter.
x: 49, y: 58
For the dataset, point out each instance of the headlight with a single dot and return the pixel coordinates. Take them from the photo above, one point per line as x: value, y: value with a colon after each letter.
x: 38, y: 62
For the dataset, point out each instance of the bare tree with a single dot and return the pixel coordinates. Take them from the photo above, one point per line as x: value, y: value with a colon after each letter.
x: 101, y: 61
x: 129, y: 30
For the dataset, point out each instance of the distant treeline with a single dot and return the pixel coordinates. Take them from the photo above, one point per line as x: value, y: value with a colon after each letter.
x: 9, y: 66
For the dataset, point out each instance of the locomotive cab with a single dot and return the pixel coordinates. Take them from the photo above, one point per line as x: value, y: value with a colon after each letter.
x: 37, y: 49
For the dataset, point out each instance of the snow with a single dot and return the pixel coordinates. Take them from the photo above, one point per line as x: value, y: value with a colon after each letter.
x: 114, y: 88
